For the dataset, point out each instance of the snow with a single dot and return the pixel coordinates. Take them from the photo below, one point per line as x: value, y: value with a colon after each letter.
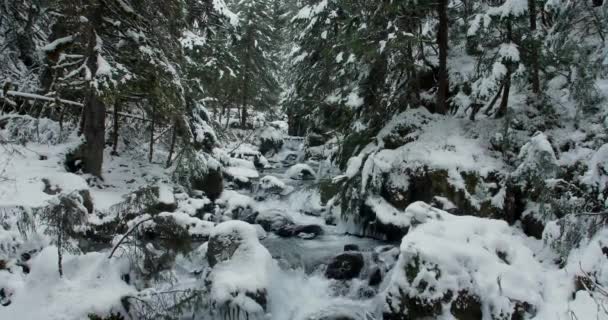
x: 247, y: 271
x: 438, y: 143
x: 271, y: 182
x: 353, y: 100
x: 509, y: 52
x: 242, y: 173
x: 24, y: 172
x: 221, y: 7
x: 597, y: 174
x: 386, y: 213
x: 232, y: 200
x: 103, y: 67
x: 196, y: 227
x: 272, y: 133
x: 308, y: 12
x: 462, y: 253
x: 353, y: 166
x: 537, y: 156
x: 165, y: 194
x: 91, y: 284
x: 510, y: 8
x: 296, y: 171
x: 56, y: 43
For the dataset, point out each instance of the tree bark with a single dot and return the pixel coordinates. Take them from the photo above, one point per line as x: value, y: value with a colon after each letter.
x: 534, y: 50
x: 94, y: 133
x: 504, y: 103
x: 152, y: 125
x: 245, y: 101
x: 94, y: 113
x: 442, y: 42
x: 116, y: 128
x: 172, y: 147
x: 60, y: 245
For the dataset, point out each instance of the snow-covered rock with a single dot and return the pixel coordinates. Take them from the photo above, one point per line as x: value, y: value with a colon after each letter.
x: 271, y: 140
x: 241, y: 176
x: 238, y: 206
x: 301, y: 171
x: 241, y: 269
x: 468, y: 266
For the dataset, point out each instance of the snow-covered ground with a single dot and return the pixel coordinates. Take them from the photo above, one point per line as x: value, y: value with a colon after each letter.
x: 488, y: 258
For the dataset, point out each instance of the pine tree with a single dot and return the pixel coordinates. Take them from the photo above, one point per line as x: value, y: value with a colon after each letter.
x: 255, y: 46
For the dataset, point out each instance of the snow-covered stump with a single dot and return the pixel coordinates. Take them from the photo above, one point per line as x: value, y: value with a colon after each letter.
x: 240, y: 275
x: 470, y: 267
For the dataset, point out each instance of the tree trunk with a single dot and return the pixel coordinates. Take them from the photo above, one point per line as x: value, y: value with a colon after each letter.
x: 116, y: 129
x: 442, y: 42
x: 94, y: 113
x: 245, y: 101
x: 534, y: 50
x: 504, y: 103
x: 172, y: 147
x: 94, y: 133
x: 152, y: 125
x: 60, y: 247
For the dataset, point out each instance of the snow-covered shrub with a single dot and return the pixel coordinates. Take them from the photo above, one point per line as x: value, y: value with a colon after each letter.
x: 24, y: 129
x: 199, y: 171
x: 271, y: 140
x: 589, y: 264
x: 61, y: 220
x: 203, y: 134
x: 403, y: 128
x: 463, y: 265
x: 151, y: 242
x: 569, y: 232
x: 18, y: 225
x: 240, y: 276
x: 150, y: 199
x: 537, y: 160
x: 538, y: 166
x: 597, y: 175
x: 92, y: 284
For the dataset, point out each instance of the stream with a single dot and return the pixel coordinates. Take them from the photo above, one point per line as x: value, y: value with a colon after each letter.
x: 300, y: 288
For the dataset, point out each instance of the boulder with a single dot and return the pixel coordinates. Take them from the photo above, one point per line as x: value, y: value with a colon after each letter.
x: 351, y: 247
x: 237, y: 206
x: 466, y: 306
x: 447, y: 262
x: 212, y: 183
x: 345, y: 266
x: 271, y: 185
x: 301, y: 171
x: 304, y: 232
x: 273, y: 220
x: 240, y: 276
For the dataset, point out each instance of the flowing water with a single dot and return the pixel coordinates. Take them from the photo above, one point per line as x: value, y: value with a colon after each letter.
x: 299, y: 288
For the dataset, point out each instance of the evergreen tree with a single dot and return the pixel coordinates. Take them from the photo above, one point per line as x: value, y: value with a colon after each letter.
x: 255, y: 48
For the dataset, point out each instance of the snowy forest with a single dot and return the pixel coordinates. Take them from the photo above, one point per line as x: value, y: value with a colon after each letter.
x: 304, y: 159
